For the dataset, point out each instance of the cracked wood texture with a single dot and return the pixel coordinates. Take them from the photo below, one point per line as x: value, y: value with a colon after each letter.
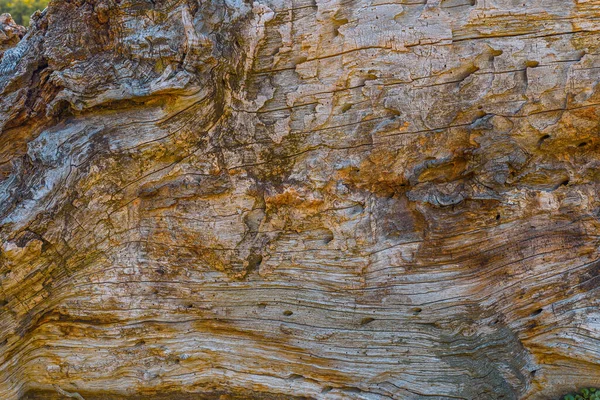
x: 319, y: 199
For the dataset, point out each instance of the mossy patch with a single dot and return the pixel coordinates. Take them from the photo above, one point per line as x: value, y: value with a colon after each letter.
x: 584, y: 394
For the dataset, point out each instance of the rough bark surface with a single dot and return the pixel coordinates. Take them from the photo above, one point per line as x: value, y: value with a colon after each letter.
x: 328, y: 199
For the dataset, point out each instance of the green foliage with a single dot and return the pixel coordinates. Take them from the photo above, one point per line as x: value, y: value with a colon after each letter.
x: 21, y: 10
x: 584, y: 394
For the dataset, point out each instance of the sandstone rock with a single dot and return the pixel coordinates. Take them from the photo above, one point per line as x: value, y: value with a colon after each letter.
x: 358, y: 199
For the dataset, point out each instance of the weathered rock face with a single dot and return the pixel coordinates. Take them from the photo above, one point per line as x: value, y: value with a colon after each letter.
x: 329, y: 199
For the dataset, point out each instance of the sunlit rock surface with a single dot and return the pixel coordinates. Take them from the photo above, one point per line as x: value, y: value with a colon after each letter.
x: 323, y: 199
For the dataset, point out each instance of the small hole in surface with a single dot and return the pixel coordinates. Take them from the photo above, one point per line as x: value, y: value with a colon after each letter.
x: 545, y: 137
x: 287, y: 313
x: 497, y: 217
x: 537, y: 312
x: 582, y: 144
x: 417, y: 311
x: 367, y: 320
x: 327, y: 237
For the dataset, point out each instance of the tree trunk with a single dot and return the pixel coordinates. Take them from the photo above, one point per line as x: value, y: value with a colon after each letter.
x: 323, y: 199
